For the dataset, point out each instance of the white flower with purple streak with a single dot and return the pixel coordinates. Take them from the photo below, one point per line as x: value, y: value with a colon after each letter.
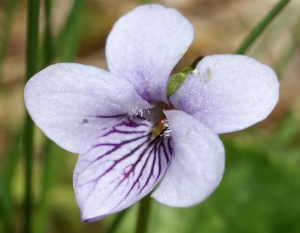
x: 116, y: 121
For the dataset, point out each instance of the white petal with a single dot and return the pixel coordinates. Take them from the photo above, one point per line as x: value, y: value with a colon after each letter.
x: 228, y: 92
x: 197, y: 163
x: 145, y: 45
x: 73, y: 103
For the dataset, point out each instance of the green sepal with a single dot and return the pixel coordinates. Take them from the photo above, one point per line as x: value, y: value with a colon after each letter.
x: 177, y: 79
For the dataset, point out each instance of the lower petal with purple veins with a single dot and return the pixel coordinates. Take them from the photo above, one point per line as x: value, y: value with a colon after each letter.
x: 123, y: 166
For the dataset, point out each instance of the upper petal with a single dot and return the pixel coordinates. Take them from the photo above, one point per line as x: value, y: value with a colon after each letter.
x: 72, y: 103
x: 144, y: 46
x: 197, y: 163
x: 228, y: 92
x: 122, y: 166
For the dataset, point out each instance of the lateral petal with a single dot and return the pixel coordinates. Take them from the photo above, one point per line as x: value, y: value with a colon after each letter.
x: 228, y: 92
x: 197, y: 163
x: 145, y: 45
x: 122, y: 167
x: 72, y: 103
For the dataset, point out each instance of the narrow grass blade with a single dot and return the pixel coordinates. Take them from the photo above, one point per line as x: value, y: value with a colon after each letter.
x: 261, y: 26
x: 49, y: 160
x: 31, y: 69
x: 47, y: 47
x: 50, y: 163
x: 5, y: 207
x: 68, y: 38
x: 13, y: 158
x: 290, y: 50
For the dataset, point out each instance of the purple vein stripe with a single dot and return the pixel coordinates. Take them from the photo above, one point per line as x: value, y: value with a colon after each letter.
x: 124, y: 165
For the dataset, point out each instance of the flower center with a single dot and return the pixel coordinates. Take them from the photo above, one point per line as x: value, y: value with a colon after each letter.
x: 162, y: 129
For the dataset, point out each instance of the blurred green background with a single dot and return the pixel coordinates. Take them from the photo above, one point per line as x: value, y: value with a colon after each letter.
x: 260, y: 191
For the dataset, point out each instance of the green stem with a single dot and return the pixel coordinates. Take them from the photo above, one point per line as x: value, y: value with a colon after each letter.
x: 143, y: 216
x: 31, y: 69
x: 261, y: 26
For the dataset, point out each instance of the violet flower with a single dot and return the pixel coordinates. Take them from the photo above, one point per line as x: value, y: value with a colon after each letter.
x: 129, y: 133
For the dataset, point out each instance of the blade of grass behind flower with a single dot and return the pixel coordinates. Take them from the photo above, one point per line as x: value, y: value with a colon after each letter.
x: 8, y: 16
x: 13, y: 158
x: 6, y: 206
x: 47, y: 49
x: 49, y: 160
x: 49, y: 164
x: 270, y: 39
x: 253, y: 35
x: 289, y: 51
x: 68, y: 37
x: 31, y: 68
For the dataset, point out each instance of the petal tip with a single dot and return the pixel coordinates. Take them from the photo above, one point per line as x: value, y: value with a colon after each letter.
x: 85, y: 219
